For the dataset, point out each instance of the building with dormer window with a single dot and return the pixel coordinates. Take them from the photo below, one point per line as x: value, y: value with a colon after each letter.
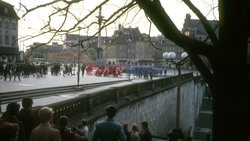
x: 8, y: 33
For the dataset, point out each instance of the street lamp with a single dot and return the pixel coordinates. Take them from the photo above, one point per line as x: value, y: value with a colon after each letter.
x: 78, y: 60
x: 170, y: 56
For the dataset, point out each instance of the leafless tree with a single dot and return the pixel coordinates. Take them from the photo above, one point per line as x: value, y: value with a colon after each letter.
x: 228, y: 77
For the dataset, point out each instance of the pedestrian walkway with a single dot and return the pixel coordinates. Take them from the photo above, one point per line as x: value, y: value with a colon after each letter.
x: 51, y: 81
x: 54, y: 81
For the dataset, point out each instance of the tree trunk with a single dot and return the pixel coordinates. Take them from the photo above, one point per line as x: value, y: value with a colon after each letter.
x: 230, y: 111
x: 230, y: 82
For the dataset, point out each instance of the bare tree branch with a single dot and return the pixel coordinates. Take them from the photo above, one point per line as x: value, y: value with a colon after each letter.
x: 37, y: 7
x: 204, y: 22
x: 149, y: 37
x: 163, y: 22
x: 193, y: 47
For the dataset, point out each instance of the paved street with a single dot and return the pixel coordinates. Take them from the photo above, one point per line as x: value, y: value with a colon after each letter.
x: 54, y: 81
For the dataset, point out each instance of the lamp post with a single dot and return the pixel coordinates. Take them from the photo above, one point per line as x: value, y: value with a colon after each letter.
x: 78, y: 60
x: 170, y: 56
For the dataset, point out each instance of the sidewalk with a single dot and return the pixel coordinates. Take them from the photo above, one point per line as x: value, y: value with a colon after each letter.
x: 50, y: 81
x: 54, y: 81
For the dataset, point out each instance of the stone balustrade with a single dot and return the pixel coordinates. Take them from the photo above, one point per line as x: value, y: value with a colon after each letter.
x: 87, y: 102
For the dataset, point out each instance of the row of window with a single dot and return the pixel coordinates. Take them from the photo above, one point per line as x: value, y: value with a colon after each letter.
x: 7, y: 25
x: 143, y: 50
x: 145, y: 57
x: 7, y: 40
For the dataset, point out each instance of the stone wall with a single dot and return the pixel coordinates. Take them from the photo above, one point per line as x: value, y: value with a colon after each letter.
x: 160, y: 109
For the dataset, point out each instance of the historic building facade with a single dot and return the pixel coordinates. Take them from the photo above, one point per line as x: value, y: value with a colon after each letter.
x: 194, y: 29
x: 8, y: 33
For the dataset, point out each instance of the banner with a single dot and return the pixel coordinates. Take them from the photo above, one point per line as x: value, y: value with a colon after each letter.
x: 93, y: 70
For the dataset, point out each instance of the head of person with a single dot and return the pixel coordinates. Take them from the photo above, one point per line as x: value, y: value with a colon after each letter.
x: 144, y: 125
x: 134, y: 127
x: 45, y: 114
x: 110, y: 111
x: 9, y: 131
x: 27, y: 103
x: 125, y: 126
x: 13, y: 108
x: 63, y: 121
x: 84, y: 122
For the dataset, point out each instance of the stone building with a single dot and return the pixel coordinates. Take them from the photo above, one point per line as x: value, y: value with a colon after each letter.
x: 194, y: 29
x: 127, y: 45
x: 59, y: 53
x: 8, y: 33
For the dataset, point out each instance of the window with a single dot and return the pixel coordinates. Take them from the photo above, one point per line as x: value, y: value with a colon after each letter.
x: 6, y: 39
x: 6, y: 10
x: 6, y: 31
x: 6, y: 25
x: 13, y: 26
x: 13, y: 40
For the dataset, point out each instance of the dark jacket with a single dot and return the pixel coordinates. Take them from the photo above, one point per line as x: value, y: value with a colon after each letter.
x: 13, y: 119
x: 29, y: 120
x: 145, y: 135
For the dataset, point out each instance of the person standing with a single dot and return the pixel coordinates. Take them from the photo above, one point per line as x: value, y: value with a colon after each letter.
x: 109, y: 129
x: 17, y: 71
x: 83, y: 69
x: 134, y: 134
x: 145, y: 134
x: 44, y: 131
x: 1, y: 69
x: 27, y: 117
x: 9, y: 131
x: 66, y: 133
x: 7, y: 71
x: 11, y: 116
x: 127, y: 133
x: 84, y: 131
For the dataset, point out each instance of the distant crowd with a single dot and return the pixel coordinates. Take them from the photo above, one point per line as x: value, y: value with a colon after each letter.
x: 27, y: 125
x: 9, y: 69
x: 12, y: 71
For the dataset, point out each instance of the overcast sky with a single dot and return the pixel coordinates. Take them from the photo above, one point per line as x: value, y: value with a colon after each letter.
x: 35, y: 20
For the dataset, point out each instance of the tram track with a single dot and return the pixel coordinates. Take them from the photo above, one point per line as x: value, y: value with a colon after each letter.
x: 6, y: 97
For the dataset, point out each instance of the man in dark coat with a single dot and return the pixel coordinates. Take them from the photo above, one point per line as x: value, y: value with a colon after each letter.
x: 10, y: 116
x: 27, y: 117
x: 7, y: 72
x: 17, y: 71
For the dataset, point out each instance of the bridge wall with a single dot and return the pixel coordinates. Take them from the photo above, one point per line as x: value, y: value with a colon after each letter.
x: 153, y: 101
x: 160, y: 109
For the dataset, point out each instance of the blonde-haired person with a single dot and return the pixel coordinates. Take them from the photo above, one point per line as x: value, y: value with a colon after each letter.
x: 44, y: 131
x: 135, y: 133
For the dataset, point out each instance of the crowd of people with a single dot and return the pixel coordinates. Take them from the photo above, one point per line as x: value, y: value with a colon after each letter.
x: 13, y: 70
x: 146, y: 71
x: 26, y: 69
x: 27, y: 125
